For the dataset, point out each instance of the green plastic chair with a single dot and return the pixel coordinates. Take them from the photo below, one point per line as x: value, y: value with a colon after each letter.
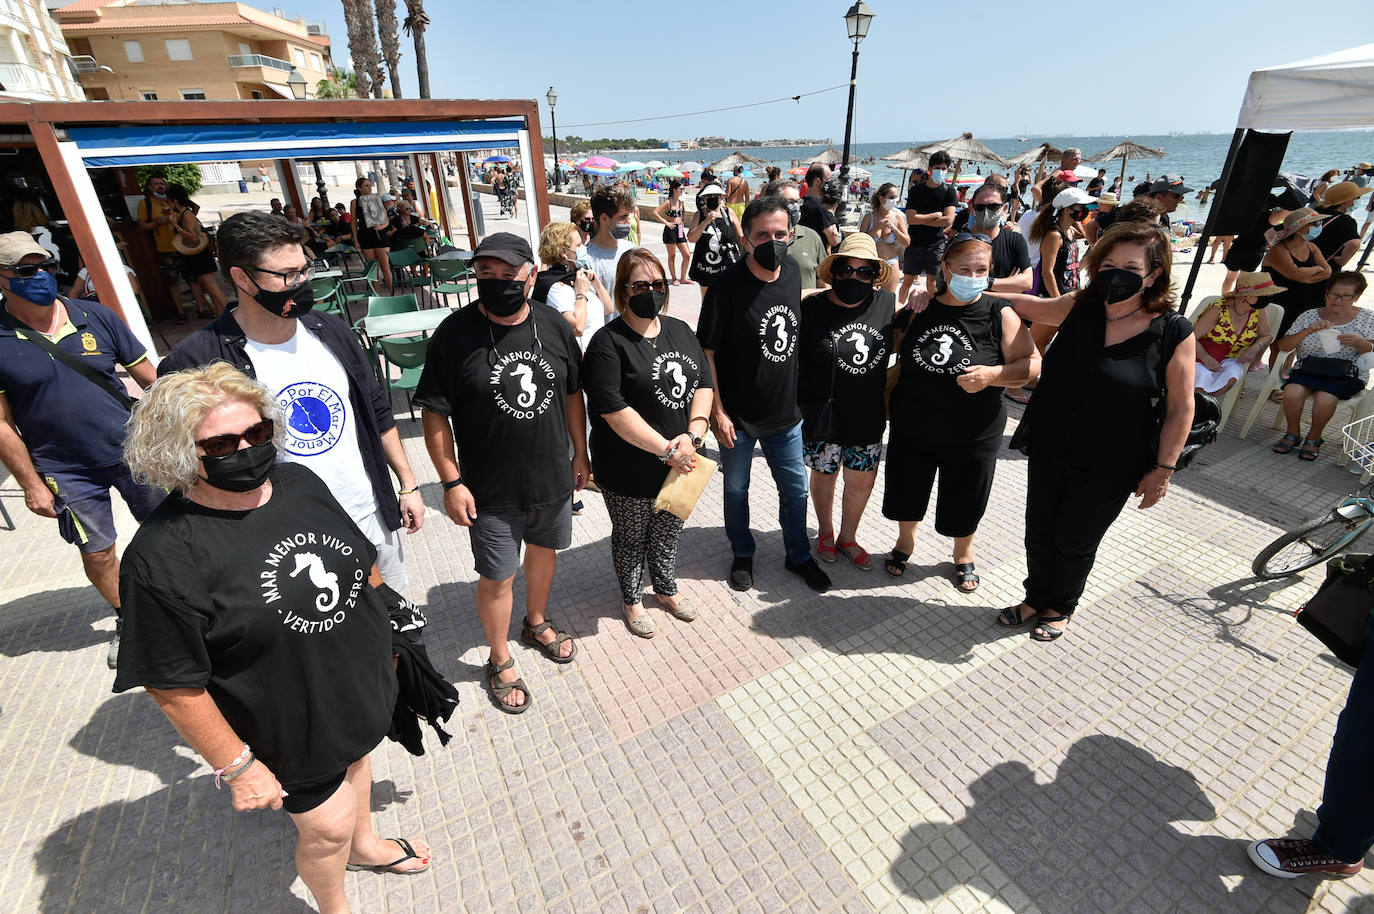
x: 446, y: 275
x: 404, y: 267
x: 369, y: 281
x: 327, y: 298
x: 409, y: 356
x: 388, y: 304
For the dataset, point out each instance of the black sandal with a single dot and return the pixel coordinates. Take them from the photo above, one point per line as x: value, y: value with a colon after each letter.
x: 1043, y: 631
x: 964, y: 574
x: 553, y: 650
x: 895, y: 563
x: 1286, y: 444
x: 499, y: 689
x: 1010, y: 617
x: 410, y: 854
x: 1310, y: 447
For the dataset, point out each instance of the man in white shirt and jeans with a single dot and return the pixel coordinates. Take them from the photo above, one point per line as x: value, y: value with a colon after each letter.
x: 339, y: 423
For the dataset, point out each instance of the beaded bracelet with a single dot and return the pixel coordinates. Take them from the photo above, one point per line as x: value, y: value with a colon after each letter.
x: 244, y: 756
x: 231, y: 776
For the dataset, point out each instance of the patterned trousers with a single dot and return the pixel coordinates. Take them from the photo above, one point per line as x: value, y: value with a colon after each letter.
x: 638, y: 532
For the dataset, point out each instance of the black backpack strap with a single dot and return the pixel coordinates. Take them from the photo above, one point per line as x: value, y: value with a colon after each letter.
x: 66, y: 358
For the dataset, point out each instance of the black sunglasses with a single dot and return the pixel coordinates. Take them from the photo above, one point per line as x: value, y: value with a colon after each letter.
x: 30, y: 270
x: 640, y: 286
x: 868, y: 273
x: 971, y: 236
x: 224, y: 445
x: 986, y: 207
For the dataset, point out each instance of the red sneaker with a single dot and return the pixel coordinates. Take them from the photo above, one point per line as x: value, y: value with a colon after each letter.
x: 1293, y: 857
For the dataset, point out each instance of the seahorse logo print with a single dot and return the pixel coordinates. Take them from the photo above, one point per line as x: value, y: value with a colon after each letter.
x: 525, y: 375
x: 674, y: 373
x: 326, y: 581
x: 946, y: 344
x: 861, y: 352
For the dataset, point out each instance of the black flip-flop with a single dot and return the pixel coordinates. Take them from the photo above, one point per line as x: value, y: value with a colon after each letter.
x: 896, y: 560
x: 964, y: 574
x: 391, y: 867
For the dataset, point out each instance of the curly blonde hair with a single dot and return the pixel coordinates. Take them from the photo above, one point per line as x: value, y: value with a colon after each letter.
x: 557, y: 238
x: 160, y: 448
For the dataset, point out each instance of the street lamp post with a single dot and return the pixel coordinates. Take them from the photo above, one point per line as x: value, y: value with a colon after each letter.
x: 552, y: 99
x: 297, y: 84
x: 858, y: 19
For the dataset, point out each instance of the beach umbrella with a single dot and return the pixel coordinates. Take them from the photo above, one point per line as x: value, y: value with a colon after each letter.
x: 826, y: 156
x: 908, y: 159
x: 1126, y: 150
x: 596, y: 170
x: 746, y: 173
x: 601, y: 162
x: 625, y: 167
x: 655, y: 163
x: 736, y: 158
x: 491, y: 159
x: 964, y: 148
x: 691, y: 166
x: 667, y: 171
x: 856, y: 172
x: 1037, y: 154
x: 798, y: 171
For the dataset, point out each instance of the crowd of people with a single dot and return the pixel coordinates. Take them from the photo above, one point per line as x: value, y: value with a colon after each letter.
x: 266, y: 468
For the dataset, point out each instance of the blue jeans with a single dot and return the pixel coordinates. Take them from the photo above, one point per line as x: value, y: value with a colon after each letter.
x: 1345, y: 820
x: 783, y: 451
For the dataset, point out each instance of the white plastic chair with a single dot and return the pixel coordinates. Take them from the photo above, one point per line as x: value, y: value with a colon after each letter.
x: 1273, y: 314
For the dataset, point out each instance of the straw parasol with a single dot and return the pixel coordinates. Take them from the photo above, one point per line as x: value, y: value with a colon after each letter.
x: 737, y: 158
x: 1032, y: 156
x: 826, y: 156
x: 908, y: 160
x: 964, y: 148
x: 1126, y: 150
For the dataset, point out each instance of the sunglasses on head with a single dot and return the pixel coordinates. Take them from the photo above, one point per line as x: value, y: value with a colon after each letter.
x: 640, y: 286
x: 224, y: 445
x: 971, y: 236
x: 867, y: 273
x: 30, y: 270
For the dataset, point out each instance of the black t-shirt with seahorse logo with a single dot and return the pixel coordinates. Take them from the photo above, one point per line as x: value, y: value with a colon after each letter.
x: 754, y: 327
x: 848, y: 347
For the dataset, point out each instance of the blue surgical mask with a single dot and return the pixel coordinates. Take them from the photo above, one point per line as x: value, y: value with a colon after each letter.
x: 40, y: 288
x: 938, y: 175
x: 1312, y: 233
x: 967, y: 288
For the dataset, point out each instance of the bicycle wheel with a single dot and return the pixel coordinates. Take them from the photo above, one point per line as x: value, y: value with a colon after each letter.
x: 1308, y: 545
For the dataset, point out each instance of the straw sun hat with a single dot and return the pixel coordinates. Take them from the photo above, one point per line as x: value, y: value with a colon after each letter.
x: 860, y: 246
x: 1260, y: 284
x: 1298, y: 220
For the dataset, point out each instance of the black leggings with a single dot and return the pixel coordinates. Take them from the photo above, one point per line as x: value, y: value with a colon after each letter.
x: 639, y: 532
x: 1068, y: 511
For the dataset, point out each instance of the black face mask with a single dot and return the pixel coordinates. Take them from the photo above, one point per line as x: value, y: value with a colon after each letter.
x: 648, y: 304
x: 587, y: 226
x: 1118, y: 285
x: 851, y: 291
x: 501, y: 297
x: 288, y: 302
x: 769, y: 255
x: 242, y: 471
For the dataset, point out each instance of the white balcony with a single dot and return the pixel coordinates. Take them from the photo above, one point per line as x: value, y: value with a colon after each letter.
x: 259, y: 60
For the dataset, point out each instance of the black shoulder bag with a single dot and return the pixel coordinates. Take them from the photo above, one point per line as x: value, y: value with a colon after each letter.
x: 1206, y: 413
x: 820, y: 421
x: 73, y: 362
x: 1339, y: 610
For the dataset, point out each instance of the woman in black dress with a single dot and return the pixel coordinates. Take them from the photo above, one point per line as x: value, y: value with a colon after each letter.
x: 947, y: 410
x: 844, y: 342
x: 245, y: 596
x: 1092, y: 430
x: 1299, y: 266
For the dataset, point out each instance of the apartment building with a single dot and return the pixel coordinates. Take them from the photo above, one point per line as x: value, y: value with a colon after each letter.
x: 151, y: 50
x: 34, y: 61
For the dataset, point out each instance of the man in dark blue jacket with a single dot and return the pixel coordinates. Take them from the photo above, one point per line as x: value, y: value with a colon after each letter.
x: 339, y: 422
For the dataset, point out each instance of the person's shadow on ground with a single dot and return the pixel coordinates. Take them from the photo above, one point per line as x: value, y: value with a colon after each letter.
x: 1099, y: 838
x: 181, y: 848
x: 57, y: 620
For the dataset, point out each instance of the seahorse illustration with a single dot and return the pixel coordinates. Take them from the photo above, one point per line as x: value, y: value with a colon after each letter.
x: 780, y: 325
x: 712, y: 234
x: 527, y: 389
x: 946, y: 349
x: 674, y: 371
x: 327, y: 581
x: 860, y: 347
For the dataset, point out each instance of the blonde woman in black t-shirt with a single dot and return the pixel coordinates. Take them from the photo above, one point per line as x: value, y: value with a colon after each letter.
x: 245, y: 594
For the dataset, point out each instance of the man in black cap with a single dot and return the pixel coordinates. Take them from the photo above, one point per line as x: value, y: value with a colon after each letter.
x: 1168, y: 191
x: 502, y: 384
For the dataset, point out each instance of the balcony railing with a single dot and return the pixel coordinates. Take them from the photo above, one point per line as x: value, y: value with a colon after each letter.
x: 259, y: 60
x: 85, y: 64
x: 316, y: 27
x: 21, y: 76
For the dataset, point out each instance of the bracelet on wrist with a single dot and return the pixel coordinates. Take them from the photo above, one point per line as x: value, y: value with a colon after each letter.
x: 411, y: 491
x: 452, y: 485
x: 230, y: 776
x: 1165, y: 466
x: 668, y: 454
x: 242, y: 759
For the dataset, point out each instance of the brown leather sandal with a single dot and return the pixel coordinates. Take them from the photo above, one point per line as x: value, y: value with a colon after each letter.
x: 529, y: 634
x: 499, y: 689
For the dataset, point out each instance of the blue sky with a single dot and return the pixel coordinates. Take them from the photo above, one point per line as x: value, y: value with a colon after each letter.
x: 925, y: 71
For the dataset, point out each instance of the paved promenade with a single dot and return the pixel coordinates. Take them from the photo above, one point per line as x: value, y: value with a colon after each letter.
x: 883, y: 747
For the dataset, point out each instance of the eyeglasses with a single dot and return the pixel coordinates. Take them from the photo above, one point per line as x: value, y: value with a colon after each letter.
x: 30, y: 270
x: 1336, y: 296
x: 640, y: 286
x: 224, y: 445
x: 867, y: 273
x: 971, y: 236
x: 291, y: 278
x: 985, y: 207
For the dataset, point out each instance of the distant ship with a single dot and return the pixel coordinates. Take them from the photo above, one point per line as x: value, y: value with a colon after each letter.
x: 1022, y: 139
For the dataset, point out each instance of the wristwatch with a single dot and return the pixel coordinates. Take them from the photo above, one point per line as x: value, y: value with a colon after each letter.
x: 452, y: 485
x: 696, y: 441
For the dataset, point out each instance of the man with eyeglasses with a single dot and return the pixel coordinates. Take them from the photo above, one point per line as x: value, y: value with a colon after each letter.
x: 61, y: 428
x: 339, y: 422
x: 748, y: 329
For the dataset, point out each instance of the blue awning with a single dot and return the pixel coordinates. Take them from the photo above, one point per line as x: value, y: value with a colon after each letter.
x: 105, y: 146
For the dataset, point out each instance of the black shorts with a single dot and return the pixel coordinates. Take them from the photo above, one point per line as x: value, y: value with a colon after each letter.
x: 965, y: 483
x: 369, y: 239
x: 923, y: 258
x: 674, y: 234
x: 305, y: 797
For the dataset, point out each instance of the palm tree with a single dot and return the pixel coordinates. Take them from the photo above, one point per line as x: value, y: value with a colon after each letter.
x: 339, y: 83
x: 416, y: 23
x: 362, y: 44
x: 391, y: 45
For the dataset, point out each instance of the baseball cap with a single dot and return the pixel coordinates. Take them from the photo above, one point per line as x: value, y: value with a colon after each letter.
x: 15, y: 246
x: 1072, y: 196
x: 513, y: 249
x: 1170, y: 183
x: 1067, y: 176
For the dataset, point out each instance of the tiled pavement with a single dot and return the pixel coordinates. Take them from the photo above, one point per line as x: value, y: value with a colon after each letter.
x: 883, y: 747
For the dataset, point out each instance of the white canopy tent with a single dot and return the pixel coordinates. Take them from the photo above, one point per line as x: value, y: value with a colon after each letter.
x: 1331, y: 92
